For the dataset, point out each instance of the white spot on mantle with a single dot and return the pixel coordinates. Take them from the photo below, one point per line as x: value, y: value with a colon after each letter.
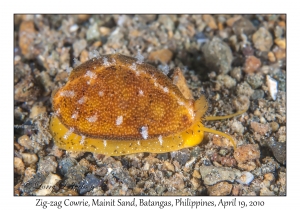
x: 81, y: 100
x: 101, y: 93
x: 104, y: 143
x: 82, y: 140
x: 69, y: 132
x: 90, y: 74
x: 144, y: 132
x: 181, y: 103
x: 119, y: 120
x: 141, y: 92
x: 160, y: 139
x: 67, y: 93
x: 166, y: 90
x: 92, y: 118
x: 75, y: 115
x: 133, y: 67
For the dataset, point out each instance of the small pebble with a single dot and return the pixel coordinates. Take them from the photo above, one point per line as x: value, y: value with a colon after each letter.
x: 84, y: 56
x: 246, y: 178
x: 212, y: 174
x: 83, y: 17
x: 274, y: 126
x: 260, y: 128
x: 244, y: 89
x: 19, y: 166
x: 210, y: 21
x: 248, y: 166
x: 278, y: 149
x: 195, y: 183
x: 163, y: 55
x: 252, y: 64
x: 74, y: 176
x: 37, y: 110
x: 47, y: 186
x: 279, y: 53
x: 196, y: 174
x: 168, y: 166
x: 266, y: 192
x: 241, y: 103
x: 236, y: 73
x: 47, y: 164
x: 219, y: 189
x: 230, y: 21
x: 237, y: 127
x: 27, y: 35
x: 254, y: 80
x: 243, y: 26
x: 257, y: 94
x: 124, y: 177
x: 29, y: 158
x: 182, y: 156
x: 93, y: 32
x: 25, y: 142
x: 272, y: 87
x: 271, y: 56
x: 246, y: 152
x: 218, y: 55
x: 78, y: 46
x: 280, y: 42
x: 226, y: 80
x: 65, y: 164
x: 89, y: 183
x: 262, y: 39
x: 176, y: 182
x: 34, y: 183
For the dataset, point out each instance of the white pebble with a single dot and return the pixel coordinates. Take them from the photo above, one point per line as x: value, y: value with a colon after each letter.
x: 76, y: 62
x: 139, y: 57
x: 272, y: 85
x: 245, y: 178
x: 73, y: 28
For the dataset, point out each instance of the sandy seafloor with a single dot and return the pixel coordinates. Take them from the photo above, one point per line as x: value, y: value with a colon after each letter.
x: 235, y: 60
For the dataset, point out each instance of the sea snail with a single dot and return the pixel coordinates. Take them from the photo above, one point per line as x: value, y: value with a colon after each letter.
x: 116, y: 105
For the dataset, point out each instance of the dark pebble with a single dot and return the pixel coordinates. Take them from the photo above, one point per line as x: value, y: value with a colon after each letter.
x: 74, y: 176
x: 65, y: 164
x: 181, y: 156
x: 243, y: 26
x: 218, y: 55
x: 163, y: 156
x: 89, y: 183
x: 47, y: 164
x: 278, y: 149
x: 125, y: 163
x: 257, y: 94
x: 124, y: 177
x: 34, y: 183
